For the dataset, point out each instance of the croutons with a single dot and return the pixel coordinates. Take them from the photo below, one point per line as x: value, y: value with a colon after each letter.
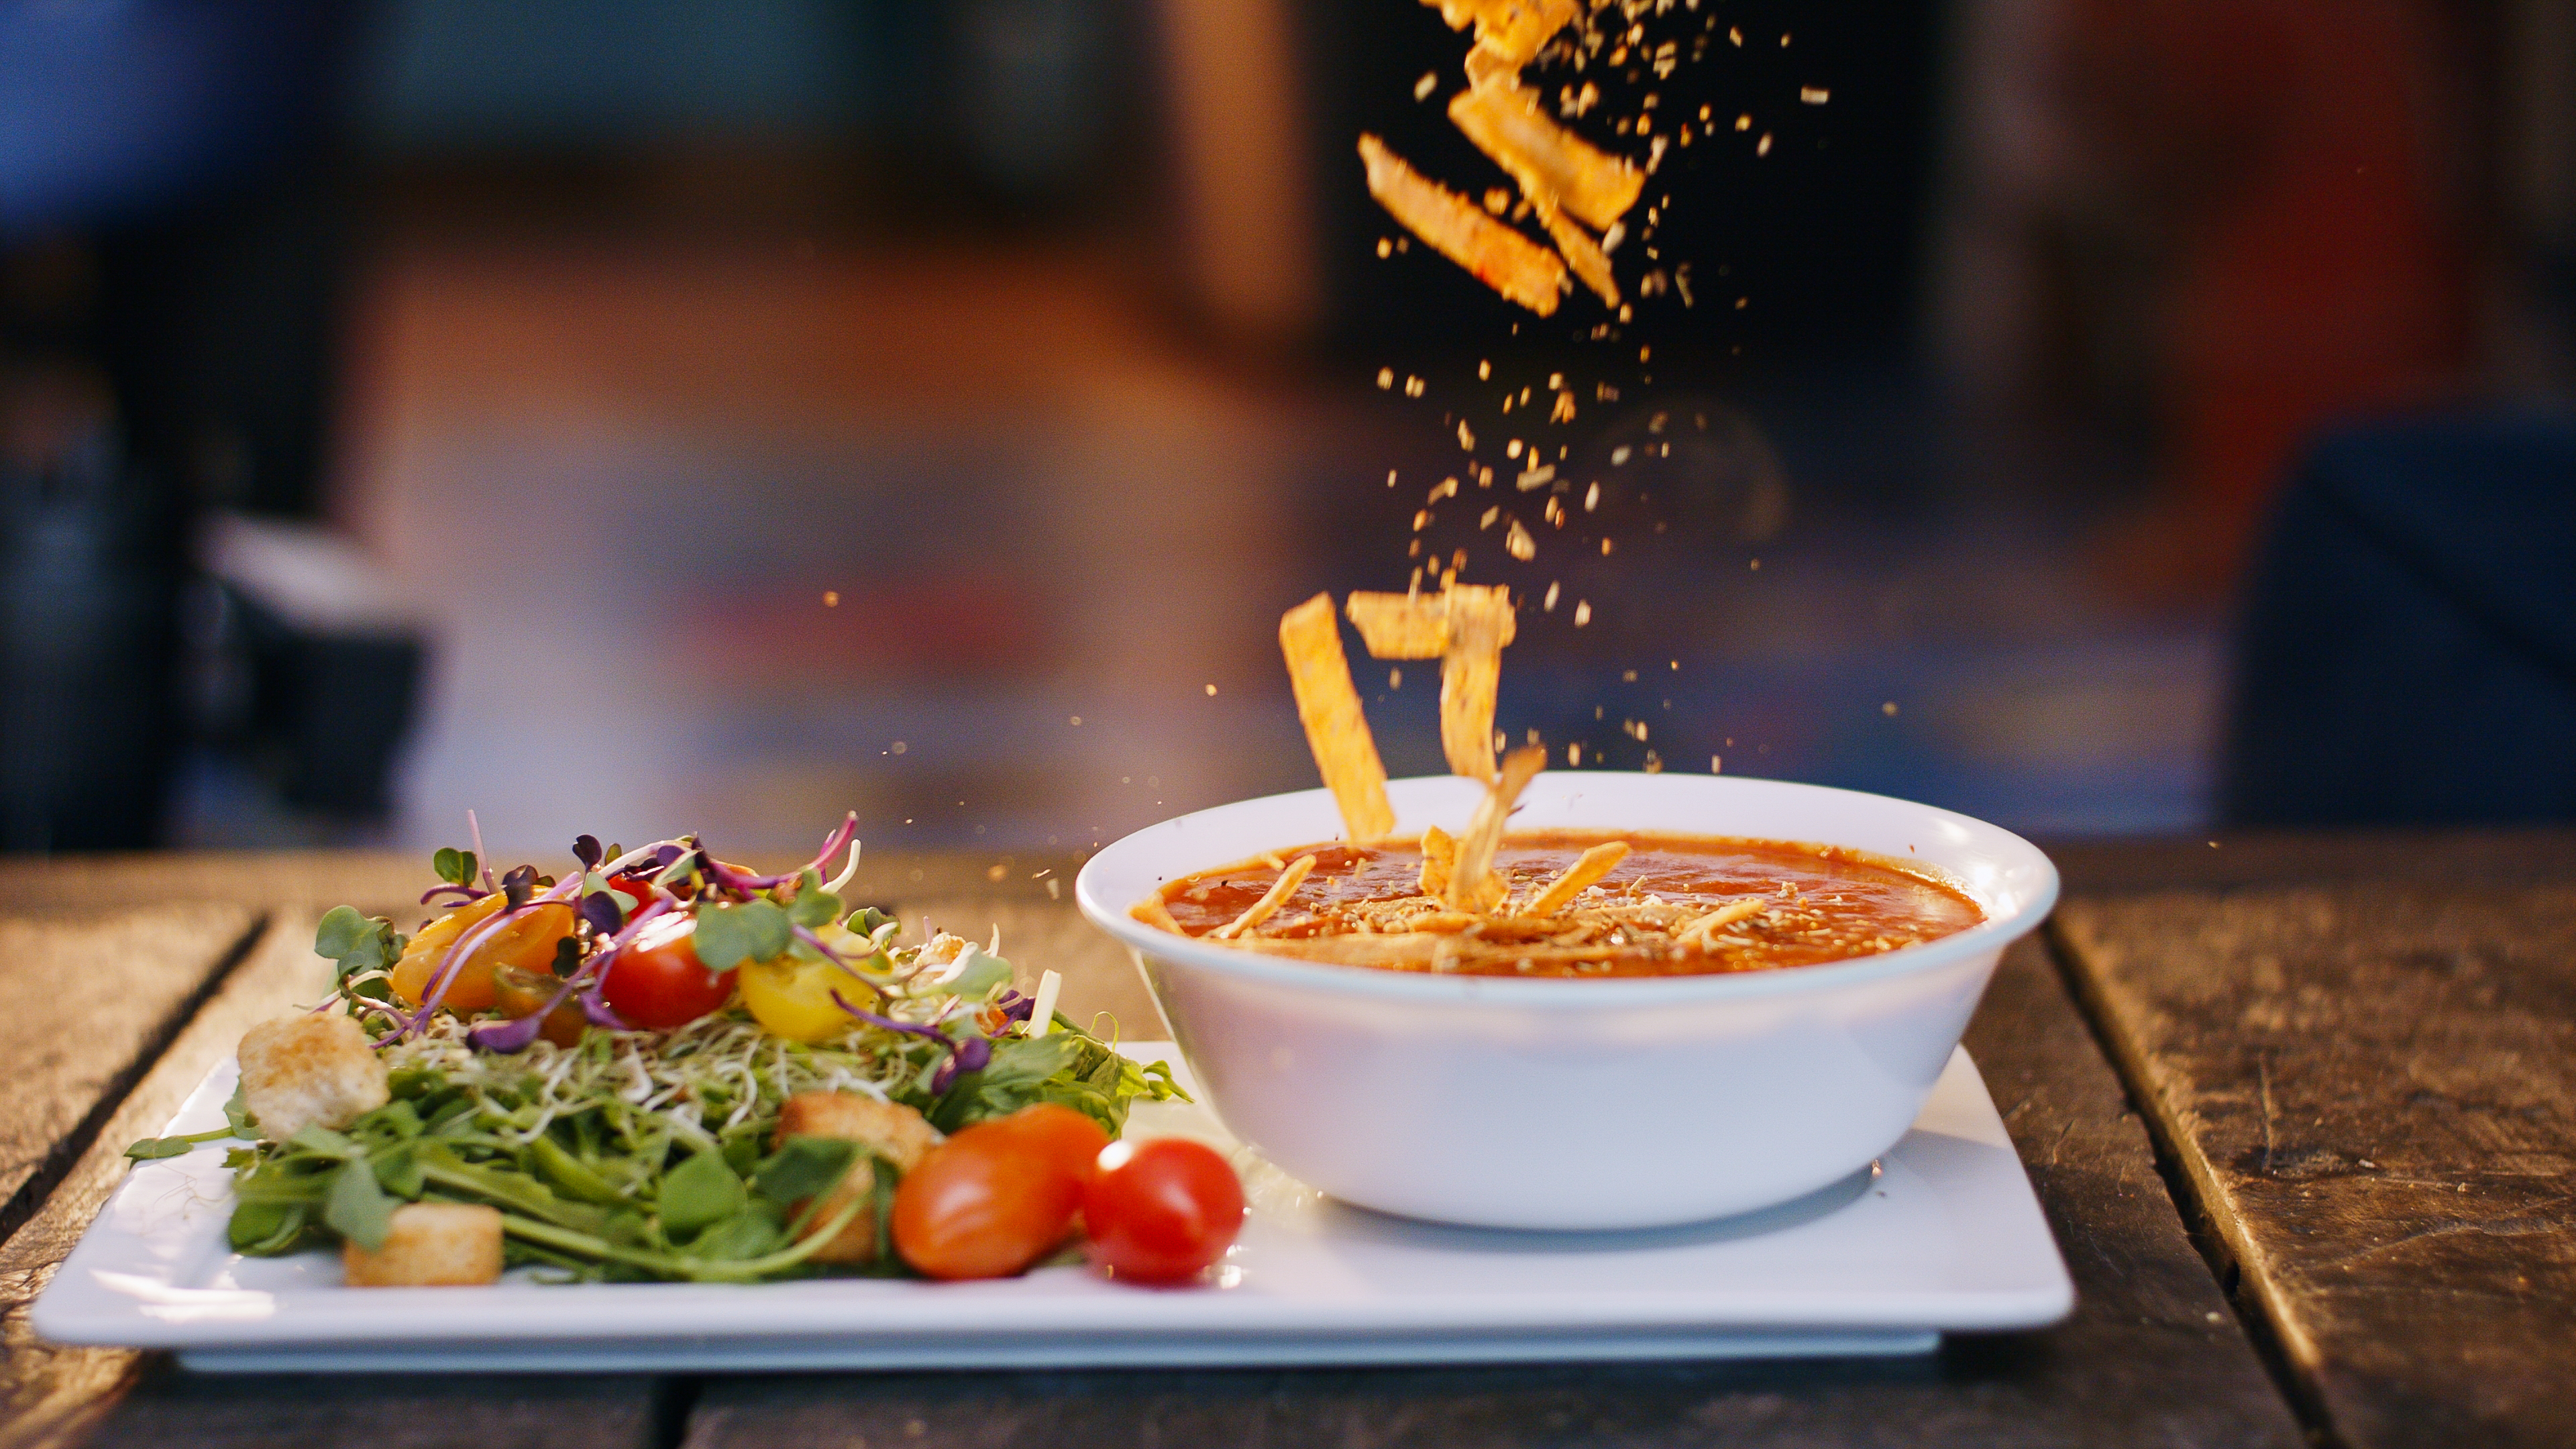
x: 895, y: 1131
x: 300, y: 1070
x: 432, y: 1245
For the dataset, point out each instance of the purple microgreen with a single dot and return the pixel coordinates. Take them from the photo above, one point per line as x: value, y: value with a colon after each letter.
x: 890, y: 1024
x: 1013, y: 1006
x: 519, y: 885
x: 585, y: 848
x: 971, y: 1055
x: 598, y: 1012
x: 508, y: 1037
x: 458, y: 894
x: 604, y: 912
x: 668, y: 854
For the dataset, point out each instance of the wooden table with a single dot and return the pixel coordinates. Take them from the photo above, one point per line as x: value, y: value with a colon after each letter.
x: 2299, y: 1110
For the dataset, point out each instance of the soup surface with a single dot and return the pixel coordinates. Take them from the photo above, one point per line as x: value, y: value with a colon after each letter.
x: 1675, y: 906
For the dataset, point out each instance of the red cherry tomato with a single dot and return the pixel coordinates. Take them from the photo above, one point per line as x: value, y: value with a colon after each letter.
x: 1161, y: 1211
x: 987, y: 1202
x: 657, y: 981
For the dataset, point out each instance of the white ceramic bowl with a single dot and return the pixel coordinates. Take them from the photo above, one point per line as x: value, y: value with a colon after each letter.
x: 1551, y: 1103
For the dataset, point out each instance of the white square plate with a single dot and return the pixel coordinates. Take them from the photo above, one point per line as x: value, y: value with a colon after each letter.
x: 1942, y: 1233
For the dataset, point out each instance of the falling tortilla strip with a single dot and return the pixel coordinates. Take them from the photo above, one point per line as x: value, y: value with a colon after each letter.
x: 1504, y: 120
x: 1473, y: 886
x: 1512, y: 29
x: 1415, y: 626
x: 1465, y: 626
x: 1460, y: 230
x: 1471, y: 673
x: 1329, y: 707
x: 1591, y: 266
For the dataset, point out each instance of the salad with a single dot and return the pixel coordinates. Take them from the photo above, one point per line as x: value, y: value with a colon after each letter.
x: 663, y: 1067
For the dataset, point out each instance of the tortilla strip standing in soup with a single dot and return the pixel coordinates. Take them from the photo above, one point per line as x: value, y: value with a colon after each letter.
x: 1671, y: 906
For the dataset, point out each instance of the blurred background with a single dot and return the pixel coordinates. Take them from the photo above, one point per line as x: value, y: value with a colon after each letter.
x: 2101, y: 416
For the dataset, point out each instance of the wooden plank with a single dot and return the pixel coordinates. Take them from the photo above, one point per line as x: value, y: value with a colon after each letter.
x: 91, y: 1000
x: 2373, y: 1091
x: 2291, y: 857
x: 2151, y: 1356
x: 57, y: 1395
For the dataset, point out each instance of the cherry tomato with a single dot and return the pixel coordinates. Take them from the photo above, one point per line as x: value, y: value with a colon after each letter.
x: 993, y: 1199
x: 1161, y: 1211
x: 1058, y: 1135
x: 527, y: 942
x: 524, y: 993
x: 793, y: 998
x: 658, y: 983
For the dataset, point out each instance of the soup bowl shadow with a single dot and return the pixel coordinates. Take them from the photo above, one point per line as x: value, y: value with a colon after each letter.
x: 1605, y: 1103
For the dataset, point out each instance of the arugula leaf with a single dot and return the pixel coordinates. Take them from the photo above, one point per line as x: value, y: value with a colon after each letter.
x: 727, y: 936
x: 698, y: 1192
x: 751, y: 1233
x: 264, y: 1229
x: 456, y: 867
x: 357, y: 1208
x: 804, y: 1167
x: 400, y: 1172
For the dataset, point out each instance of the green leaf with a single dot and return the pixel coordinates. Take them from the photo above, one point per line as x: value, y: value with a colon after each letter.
x: 316, y: 1138
x: 803, y: 1167
x: 357, y: 1208
x: 400, y: 1172
x: 339, y: 932
x: 570, y: 1175
x: 976, y: 972
x: 264, y: 1229
x: 815, y: 908
x: 698, y: 1192
x: 152, y: 1147
x: 456, y: 867
x: 751, y: 1233
x: 727, y: 936
x: 866, y: 919
x: 358, y: 943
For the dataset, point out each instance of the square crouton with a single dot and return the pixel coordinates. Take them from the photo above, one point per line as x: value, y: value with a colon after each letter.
x: 891, y: 1129
x: 431, y: 1245
x: 299, y: 1070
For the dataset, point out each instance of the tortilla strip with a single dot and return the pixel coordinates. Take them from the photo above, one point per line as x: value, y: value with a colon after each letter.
x: 1513, y: 29
x: 1439, y: 850
x: 1416, y: 626
x: 1460, y: 230
x: 1473, y: 886
x: 1349, y: 950
x: 1504, y: 119
x: 1154, y: 911
x: 1485, y: 62
x: 1717, y: 920
x: 1400, y: 626
x: 1471, y: 671
x: 1336, y: 729
x: 1587, y: 868
x: 1591, y: 264
x: 1260, y: 910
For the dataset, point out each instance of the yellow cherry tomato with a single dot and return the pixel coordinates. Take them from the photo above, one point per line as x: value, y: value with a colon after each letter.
x: 527, y: 942
x: 793, y: 998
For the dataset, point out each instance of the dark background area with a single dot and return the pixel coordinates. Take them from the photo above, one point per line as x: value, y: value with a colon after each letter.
x: 444, y: 404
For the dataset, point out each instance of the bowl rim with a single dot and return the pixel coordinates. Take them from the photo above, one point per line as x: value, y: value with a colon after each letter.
x: 1561, y: 993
